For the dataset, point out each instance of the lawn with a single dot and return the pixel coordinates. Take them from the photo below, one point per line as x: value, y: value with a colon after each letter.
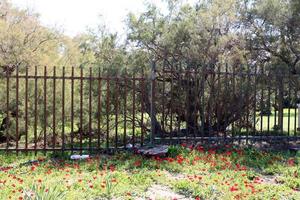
x: 186, y: 173
x: 289, y: 119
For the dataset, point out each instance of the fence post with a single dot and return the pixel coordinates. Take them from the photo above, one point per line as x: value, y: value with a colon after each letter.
x: 152, y: 98
x: 298, y: 128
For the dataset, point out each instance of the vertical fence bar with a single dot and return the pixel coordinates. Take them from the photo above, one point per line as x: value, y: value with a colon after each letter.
x: 255, y: 92
x: 125, y: 111
x: 171, y: 104
x: 35, y: 109
x: 45, y: 108
x: 26, y: 108
x: 99, y: 110
x: 203, y: 74
x: 187, y: 104
x: 179, y: 81
x: 63, y: 110
x: 163, y: 98
x: 72, y: 110
x: 116, y: 111
x: 54, y: 108
x: 152, y: 102
x: 81, y: 108
x: 269, y: 106
x: 17, y: 110
x: 233, y: 91
x: 133, y: 110
x: 275, y: 111
x: 7, y: 108
x: 142, y: 88
x: 262, y: 101
x: 107, y: 112
x: 218, y: 97
x: 90, y: 109
x: 289, y: 103
x: 247, y: 103
x: 295, y: 111
x: 241, y: 76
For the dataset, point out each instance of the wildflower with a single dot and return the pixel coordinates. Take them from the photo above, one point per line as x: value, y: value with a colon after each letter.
x: 112, y: 168
x: 233, y: 189
x: 200, y: 148
x: 137, y: 163
x: 291, y: 162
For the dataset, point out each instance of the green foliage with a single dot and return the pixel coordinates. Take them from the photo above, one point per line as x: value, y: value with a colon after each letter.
x: 42, y: 193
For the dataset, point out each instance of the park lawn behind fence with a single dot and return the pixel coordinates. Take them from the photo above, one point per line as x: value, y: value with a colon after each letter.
x: 187, y: 172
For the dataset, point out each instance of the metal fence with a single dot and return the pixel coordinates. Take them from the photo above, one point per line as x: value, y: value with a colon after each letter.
x: 76, y: 109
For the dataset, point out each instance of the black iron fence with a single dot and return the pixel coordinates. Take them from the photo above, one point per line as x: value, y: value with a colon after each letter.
x: 76, y: 109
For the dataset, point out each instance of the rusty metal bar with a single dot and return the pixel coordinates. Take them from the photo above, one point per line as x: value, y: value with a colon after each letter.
x: 125, y: 111
x: 142, y: 88
x: 7, y: 109
x: 72, y: 110
x: 233, y: 93
x: 218, y: 96
x: 295, y: 112
x: 202, y: 96
x: 152, y: 102
x: 81, y: 108
x: 107, y: 112
x: 45, y: 108
x: 133, y: 110
x: 163, y: 98
x: 247, y: 103
x: 54, y: 108
x: 63, y: 110
x: 17, y: 109
x: 269, y: 107
x: 289, y: 103
x: 90, y: 110
x: 116, y: 112
x: 99, y: 109
x: 261, y: 101
x: 171, y: 104
x: 35, y: 109
x: 255, y: 93
x: 26, y: 108
x: 187, y: 104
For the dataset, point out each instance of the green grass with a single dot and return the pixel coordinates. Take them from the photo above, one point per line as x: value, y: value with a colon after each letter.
x: 288, y: 121
x: 198, y: 174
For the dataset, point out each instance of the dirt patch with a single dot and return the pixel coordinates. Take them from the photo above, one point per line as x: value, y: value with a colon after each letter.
x: 161, y: 192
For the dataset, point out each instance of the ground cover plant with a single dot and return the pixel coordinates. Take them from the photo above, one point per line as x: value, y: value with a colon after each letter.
x: 187, y: 172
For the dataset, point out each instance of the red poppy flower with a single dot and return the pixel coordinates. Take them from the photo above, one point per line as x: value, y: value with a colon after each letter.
x: 291, y: 162
x: 233, y: 189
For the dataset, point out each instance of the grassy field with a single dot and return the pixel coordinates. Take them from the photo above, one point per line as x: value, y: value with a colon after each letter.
x: 187, y: 173
x: 288, y: 121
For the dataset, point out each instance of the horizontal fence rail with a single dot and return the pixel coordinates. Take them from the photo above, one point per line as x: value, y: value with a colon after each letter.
x: 79, y: 109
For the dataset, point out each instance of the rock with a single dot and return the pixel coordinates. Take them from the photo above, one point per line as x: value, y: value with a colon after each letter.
x: 160, y: 150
